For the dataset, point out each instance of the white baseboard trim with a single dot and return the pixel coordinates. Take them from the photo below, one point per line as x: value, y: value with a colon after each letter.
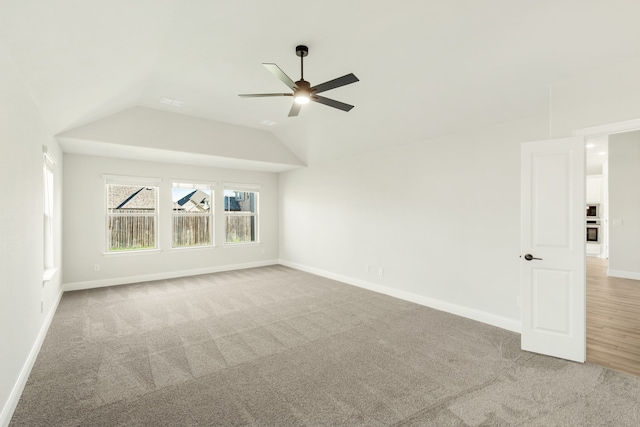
x: 18, y: 387
x: 470, y: 313
x: 624, y: 274
x: 77, y: 286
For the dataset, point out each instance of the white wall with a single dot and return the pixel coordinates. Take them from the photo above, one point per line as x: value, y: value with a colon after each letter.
x: 22, y: 326
x: 609, y: 94
x: 624, y: 205
x: 84, y: 216
x: 594, y: 169
x: 442, y: 218
x: 164, y: 131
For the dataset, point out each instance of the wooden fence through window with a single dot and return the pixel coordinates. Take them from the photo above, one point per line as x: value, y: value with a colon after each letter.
x: 241, y: 228
x: 191, y: 230
x: 131, y: 232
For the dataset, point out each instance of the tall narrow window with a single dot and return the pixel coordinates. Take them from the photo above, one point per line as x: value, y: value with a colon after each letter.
x: 47, y: 173
x: 241, y: 213
x: 192, y: 215
x: 132, y: 213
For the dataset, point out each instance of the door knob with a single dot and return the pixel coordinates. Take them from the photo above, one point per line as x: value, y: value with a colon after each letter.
x: 529, y: 257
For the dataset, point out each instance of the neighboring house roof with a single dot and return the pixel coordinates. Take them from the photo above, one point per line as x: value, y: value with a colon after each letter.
x: 196, y: 201
x: 231, y: 204
x: 129, y: 197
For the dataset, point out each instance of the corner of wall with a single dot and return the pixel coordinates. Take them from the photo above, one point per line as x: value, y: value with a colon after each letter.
x: 77, y: 286
x: 18, y: 387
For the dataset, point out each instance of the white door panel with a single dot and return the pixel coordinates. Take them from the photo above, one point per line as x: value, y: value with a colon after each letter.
x: 553, y: 230
x: 551, y: 290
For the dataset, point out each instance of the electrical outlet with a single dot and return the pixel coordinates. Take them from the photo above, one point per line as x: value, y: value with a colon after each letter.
x: 366, y: 268
x: 96, y: 267
x: 380, y: 272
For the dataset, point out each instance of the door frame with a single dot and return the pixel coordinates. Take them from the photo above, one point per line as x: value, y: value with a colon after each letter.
x: 606, y: 129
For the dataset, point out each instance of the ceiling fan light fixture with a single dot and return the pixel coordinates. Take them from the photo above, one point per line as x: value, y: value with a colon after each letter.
x: 302, y: 95
x: 301, y: 98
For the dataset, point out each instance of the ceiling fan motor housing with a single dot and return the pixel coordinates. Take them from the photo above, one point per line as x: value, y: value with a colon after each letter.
x: 303, y: 85
x: 302, y: 50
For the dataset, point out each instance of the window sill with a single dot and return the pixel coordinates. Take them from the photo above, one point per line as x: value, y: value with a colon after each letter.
x: 142, y: 252
x: 238, y: 245
x: 193, y: 248
x: 48, y: 275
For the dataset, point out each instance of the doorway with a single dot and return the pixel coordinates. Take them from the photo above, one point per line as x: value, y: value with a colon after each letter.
x: 553, y: 228
x: 612, y: 303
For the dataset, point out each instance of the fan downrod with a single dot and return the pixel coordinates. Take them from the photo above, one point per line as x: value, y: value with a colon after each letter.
x: 302, y: 51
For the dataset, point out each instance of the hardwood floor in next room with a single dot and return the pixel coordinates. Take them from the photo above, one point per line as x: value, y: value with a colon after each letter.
x: 613, y: 319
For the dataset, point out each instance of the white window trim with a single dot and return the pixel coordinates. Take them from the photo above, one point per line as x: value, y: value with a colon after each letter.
x: 48, y: 274
x: 194, y: 248
x: 241, y: 244
x: 131, y: 181
x: 133, y: 252
x: 253, y: 188
x: 48, y: 212
x: 51, y: 161
x: 242, y: 186
x: 195, y: 184
x: 49, y: 268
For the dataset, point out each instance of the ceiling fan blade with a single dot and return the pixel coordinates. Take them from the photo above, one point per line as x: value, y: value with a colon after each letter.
x: 331, y: 103
x: 295, y: 109
x: 262, y: 95
x: 276, y: 71
x: 332, y: 84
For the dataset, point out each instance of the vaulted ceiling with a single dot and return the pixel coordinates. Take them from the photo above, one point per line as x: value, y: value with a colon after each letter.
x: 426, y: 68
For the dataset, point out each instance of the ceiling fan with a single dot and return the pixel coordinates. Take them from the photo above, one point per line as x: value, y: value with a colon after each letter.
x: 303, y: 92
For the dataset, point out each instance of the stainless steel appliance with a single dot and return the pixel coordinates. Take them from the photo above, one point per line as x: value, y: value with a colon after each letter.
x: 593, y: 231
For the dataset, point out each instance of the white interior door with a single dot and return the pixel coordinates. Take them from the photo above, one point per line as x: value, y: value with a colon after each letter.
x: 553, y: 233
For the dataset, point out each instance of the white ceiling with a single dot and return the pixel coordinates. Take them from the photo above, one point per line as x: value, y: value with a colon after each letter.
x: 426, y: 68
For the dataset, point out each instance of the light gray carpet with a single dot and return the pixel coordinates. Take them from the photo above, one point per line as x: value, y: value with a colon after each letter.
x: 273, y: 346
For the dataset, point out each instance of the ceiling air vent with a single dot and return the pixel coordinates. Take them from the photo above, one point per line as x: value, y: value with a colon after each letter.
x: 170, y: 101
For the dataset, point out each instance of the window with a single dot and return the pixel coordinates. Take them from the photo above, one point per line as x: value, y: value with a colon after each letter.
x: 192, y: 215
x: 132, y: 213
x: 241, y: 213
x: 47, y: 173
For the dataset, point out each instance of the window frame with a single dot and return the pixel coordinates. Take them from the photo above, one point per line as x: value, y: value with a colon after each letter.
x: 242, y: 188
x: 48, y: 178
x: 133, y: 182
x: 198, y: 185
